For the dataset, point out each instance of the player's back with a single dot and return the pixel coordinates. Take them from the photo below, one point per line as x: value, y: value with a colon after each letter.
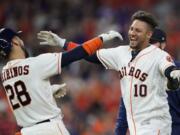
x: 29, y: 91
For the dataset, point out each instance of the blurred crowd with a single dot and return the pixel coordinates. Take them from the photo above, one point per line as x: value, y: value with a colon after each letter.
x: 91, y: 104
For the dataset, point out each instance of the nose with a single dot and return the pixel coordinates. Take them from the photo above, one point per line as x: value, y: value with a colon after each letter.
x: 132, y: 32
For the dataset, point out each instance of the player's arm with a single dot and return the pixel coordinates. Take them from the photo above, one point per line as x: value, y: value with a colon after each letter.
x: 121, y: 123
x: 173, y: 75
x: 71, y: 45
x: 86, y: 49
x: 176, y: 74
x: 168, y: 68
x: 54, y: 40
x: 59, y: 90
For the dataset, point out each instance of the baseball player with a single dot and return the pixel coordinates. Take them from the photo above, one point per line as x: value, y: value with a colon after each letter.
x: 173, y: 96
x: 58, y: 92
x: 174, y: 104
x: 27, y: 85
x: 143, y: 70
x: 158, y: 39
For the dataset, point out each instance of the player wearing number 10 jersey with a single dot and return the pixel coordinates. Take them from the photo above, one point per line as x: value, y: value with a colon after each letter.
x: 143, y: 72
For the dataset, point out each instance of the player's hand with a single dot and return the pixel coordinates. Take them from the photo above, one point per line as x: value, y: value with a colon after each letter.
x: 174, y: 83
x: 110, y: 35
x: 59, y: 90
x: 49, y: 38
x: 175, y: 74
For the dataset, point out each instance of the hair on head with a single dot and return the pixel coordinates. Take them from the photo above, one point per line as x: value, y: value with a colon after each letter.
x: 145, y: 17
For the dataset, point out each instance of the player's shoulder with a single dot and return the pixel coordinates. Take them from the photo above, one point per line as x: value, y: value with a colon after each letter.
x: 162, y: 54
x: 116, y: 49
x: 159, y: 51
x: 13, y: 63
x: 44, y: 56
x: 32, y: 61
x: 126, y: 47
x: 39, y: 58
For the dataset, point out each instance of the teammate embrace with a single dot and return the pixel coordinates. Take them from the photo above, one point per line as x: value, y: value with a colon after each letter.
x: 145, y: 98
x: 146, y: 67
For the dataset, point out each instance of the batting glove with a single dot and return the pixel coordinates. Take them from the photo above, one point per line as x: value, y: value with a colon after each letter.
x: 49, y: 38
x: 175, y: 74
x: 59, y: 90
x: 110, y: 35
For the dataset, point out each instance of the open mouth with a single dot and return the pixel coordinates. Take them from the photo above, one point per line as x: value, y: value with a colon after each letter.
x: 133, y: 39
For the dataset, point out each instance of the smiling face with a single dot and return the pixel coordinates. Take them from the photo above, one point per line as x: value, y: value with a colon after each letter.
x: 139, y: 34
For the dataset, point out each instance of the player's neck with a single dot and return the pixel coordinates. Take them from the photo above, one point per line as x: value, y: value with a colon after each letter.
x: 140, y: 46
x: 145, y: 45
x: 16, y: 53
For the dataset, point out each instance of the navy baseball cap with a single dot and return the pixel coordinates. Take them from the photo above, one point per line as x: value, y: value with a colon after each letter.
x: 6, y: 36
x: 158, y: 36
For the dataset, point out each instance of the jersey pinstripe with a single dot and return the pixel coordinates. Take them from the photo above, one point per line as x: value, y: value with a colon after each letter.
x: 143, y: 83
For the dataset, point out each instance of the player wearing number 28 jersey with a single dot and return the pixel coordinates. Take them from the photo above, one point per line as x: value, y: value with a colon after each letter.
x: 27, y: 85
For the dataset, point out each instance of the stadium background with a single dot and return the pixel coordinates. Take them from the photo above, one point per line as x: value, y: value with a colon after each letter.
x: 91, y: 104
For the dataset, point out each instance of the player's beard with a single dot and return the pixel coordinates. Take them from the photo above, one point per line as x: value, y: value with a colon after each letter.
x: 134, y: 45
x: 137, y: 45
x: 134, y: 42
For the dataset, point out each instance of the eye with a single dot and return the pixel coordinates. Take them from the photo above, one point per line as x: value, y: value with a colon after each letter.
x: 137, y: 30
x: 131, y: 28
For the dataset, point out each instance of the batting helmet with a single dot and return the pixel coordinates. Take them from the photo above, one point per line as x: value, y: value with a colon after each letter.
x: 158, y: 36
x: 6, y: 36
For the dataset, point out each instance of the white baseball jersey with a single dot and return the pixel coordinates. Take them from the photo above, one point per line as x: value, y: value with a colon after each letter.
x: 143, y: 86
x: 27, y: 85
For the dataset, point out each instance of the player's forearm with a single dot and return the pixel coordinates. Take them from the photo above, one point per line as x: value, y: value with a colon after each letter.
x: 80, y: 52
x: 71, y: 45
x: 89, y: 47
x: 73, y: 55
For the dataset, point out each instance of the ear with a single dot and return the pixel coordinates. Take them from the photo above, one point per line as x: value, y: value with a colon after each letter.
x: 149, y: 34
x: 15, y: 41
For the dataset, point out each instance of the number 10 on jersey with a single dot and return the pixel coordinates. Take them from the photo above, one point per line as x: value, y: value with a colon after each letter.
x: 140, y: 90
